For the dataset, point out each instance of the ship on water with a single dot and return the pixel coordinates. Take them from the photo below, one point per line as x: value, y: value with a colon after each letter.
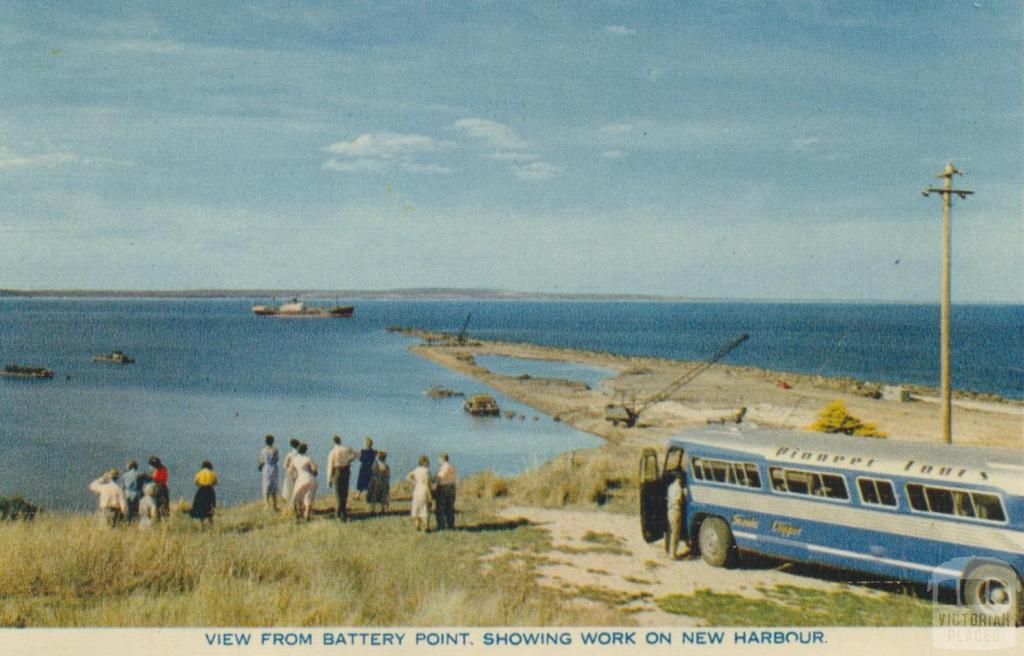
x: 20, y: 371
x: 117, y: 357
x: 300, y: 309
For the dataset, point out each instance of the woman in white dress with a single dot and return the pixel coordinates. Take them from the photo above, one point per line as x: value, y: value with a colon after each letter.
x: 289, y: 475
x: 147, y: 506
x: 304, y: 492
x: 420, y: 510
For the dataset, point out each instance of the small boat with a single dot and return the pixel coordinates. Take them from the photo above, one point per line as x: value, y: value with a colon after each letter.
x: 116, y: 357
x: 436, y: 392
x: 482, y: 405
x: 299, y: 309
x: 19, y: 371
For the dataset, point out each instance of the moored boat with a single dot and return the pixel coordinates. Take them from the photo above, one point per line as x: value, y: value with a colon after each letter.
x: 115, y: 357
x: 20, y: 371
x: 482, y: 405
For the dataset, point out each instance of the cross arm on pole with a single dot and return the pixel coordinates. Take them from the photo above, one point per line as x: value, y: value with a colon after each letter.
x: 962, y: 193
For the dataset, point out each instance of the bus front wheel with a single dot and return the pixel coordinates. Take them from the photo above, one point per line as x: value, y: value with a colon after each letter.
x: 717, y: 547
x: 994, y: 591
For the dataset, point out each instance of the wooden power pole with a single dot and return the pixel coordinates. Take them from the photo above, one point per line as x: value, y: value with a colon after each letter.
x: 946, y: 191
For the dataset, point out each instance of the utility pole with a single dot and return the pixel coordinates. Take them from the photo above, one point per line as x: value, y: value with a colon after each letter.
x: 946, y: 191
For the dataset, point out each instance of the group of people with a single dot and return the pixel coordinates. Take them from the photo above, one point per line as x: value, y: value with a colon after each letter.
x: 437, y: 491
x: 373, y: 481
x: 144, y: 496
x: 300, y: 476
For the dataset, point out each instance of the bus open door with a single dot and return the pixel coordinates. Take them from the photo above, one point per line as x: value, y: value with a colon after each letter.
x: 653, y: 519
x: 653, y: 490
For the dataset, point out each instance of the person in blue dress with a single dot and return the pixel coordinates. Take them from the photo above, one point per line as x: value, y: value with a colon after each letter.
x: 269, y: 471
x: 366, y: 459
x: 132, y: 482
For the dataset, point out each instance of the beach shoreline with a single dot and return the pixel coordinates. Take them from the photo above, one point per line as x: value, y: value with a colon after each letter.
x: 771, y: 398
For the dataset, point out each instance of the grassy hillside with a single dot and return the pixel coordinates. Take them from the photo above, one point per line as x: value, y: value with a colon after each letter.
x: 257, y: 568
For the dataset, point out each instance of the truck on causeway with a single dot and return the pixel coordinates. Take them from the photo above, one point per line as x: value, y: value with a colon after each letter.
x: 949, y: 516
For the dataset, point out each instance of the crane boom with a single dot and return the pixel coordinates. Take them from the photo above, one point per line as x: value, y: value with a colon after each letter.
x: 689, y: 375
x: 462, y: 332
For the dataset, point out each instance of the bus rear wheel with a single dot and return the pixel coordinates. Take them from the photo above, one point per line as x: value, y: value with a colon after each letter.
x: 994, y: 591
x: 717, y: 546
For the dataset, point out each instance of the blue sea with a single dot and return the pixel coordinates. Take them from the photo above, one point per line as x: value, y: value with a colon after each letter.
x: 211, y: 378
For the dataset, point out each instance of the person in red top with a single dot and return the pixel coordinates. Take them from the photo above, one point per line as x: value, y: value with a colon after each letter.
x: 162, y: 495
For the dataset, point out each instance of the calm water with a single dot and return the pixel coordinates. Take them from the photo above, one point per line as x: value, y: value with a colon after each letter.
x: 212, y: 379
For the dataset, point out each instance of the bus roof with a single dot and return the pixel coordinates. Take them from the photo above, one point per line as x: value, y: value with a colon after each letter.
x: 959, y: 464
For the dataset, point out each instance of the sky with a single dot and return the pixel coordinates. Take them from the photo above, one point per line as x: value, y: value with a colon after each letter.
x: 754, y: 150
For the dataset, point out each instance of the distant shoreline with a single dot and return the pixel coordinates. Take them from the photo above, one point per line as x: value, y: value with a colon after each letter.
x: 385, y: 294
x: 437, y: 294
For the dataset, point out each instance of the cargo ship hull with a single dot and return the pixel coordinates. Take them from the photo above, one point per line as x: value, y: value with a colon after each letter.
x: 302, y: 311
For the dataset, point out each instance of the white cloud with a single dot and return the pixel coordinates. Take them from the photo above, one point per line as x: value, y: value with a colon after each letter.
x: 106, y: 161
x: 804, y: 144
x: 511, y: 148
x: 354, y: 165
x: 617, y: 128
x: 512, y: 156
x: 612, y: 154
x: 423, y: 168
x: 387, y: 145
x: 12, y: 160
x: 497, y: 134
x: 537, y: 171
x: 380, y: 151
x: 620, y: 30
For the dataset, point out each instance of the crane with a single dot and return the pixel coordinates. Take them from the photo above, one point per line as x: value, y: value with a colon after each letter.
x: 461, y: 338
x: 628, y: 415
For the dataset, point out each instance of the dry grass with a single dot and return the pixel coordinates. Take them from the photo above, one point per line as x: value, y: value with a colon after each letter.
x: 605, y: 476
x: 257, y: 568
x: 786, y: 605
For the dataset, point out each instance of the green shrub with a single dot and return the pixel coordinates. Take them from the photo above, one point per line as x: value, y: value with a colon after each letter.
x: 17, y: 507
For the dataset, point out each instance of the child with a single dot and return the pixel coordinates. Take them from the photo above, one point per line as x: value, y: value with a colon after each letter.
x: 147, y: 506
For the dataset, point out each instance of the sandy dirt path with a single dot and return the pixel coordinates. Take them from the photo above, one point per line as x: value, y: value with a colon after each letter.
x: 601, y: 554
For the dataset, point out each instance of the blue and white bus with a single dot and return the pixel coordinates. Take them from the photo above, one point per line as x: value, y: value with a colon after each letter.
x: 897, y: 509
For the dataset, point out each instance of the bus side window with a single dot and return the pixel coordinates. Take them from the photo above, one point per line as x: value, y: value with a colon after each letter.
x: 778, y: 479
x: 988, y: 507
x: 834, y: 486
x: 916, y: 495
x: 739, y: 474
x: 798, y: 482
x: 886, y: 493
x: 963, y: 505
x: 718, y: 471
x: 698, y: 471
x: 939, y: 500
x: 673, y: 460
x: 753, y: 478
x: 868, y: 493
